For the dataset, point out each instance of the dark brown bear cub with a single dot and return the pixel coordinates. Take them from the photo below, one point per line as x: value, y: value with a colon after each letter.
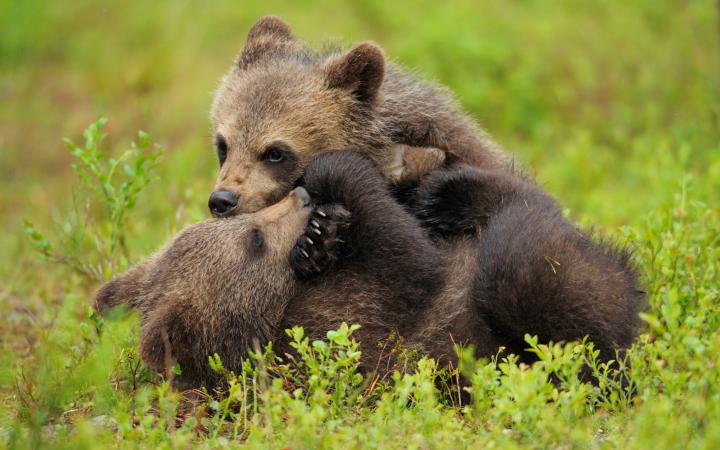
x: 282, y: 103
x: 503, y: 263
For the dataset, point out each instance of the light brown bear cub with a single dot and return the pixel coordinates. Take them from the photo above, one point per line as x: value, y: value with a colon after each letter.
x: 282, y: 103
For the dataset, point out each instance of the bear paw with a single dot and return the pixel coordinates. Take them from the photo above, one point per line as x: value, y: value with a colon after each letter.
x: 319, y: 246
x: 452, y: 202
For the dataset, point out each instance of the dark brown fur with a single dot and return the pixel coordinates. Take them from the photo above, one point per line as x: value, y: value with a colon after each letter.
x: 279, y: 91
x: 491, y: 259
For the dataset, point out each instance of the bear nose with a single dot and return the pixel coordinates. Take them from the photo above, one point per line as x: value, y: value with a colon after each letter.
x: 222, y: 202
x: 302, y: 194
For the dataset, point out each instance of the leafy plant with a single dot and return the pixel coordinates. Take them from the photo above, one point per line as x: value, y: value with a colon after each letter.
x: 117, y: 182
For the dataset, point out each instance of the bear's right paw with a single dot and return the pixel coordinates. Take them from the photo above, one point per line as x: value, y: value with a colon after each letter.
x: 320, y: 245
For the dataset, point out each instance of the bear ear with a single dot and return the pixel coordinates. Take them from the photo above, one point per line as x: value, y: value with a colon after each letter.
x: 109, y: 296
x: 269, y: 35
x: 360, y: 70
x: 121, y: 290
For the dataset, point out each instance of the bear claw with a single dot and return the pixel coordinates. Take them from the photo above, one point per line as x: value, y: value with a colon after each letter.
x: 312, y: 256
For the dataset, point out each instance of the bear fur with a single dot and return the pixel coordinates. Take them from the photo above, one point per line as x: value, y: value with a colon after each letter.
x: 282, y: 103
x: 477, y: 257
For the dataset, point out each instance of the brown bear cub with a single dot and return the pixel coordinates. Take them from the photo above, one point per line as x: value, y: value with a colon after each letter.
x: 504, y: 263
x: 281, y: 103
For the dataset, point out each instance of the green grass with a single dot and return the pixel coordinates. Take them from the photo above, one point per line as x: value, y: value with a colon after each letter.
x: 614, y: 106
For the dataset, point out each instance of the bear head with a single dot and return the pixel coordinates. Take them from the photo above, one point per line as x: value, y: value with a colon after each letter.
x: 217, y: 287
x: 281, y: 104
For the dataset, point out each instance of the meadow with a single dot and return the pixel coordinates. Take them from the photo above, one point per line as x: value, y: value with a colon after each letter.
x: 613, y: 107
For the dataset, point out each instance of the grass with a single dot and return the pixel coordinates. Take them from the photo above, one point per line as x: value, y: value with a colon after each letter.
x: 615, y: 107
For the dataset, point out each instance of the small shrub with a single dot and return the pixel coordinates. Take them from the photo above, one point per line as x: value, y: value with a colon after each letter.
x: 100, y: 222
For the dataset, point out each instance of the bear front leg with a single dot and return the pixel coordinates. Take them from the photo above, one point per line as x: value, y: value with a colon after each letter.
x: 320, y: 245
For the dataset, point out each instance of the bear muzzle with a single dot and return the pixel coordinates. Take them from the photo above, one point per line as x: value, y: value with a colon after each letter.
x: 222, y: 203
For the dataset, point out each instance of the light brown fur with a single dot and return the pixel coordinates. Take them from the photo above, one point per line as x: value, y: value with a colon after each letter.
x: 188, y: 293
x: 279, y: 91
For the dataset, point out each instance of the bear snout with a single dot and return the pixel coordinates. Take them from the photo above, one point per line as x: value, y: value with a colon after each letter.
x: 222, y: 203
x: 302, y: 194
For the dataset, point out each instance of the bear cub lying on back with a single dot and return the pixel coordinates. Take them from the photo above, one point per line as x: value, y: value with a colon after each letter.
x: 490, y: 260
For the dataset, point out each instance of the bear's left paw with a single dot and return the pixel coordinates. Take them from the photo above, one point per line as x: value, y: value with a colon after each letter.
x: 319, y: 246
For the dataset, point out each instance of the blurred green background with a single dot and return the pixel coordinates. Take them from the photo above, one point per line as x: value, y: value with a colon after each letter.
x: 613, y: 106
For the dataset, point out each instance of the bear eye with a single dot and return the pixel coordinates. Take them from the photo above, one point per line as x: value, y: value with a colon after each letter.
x: 221, y: 146
x: 256, y: 242
x: 274, y: 154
